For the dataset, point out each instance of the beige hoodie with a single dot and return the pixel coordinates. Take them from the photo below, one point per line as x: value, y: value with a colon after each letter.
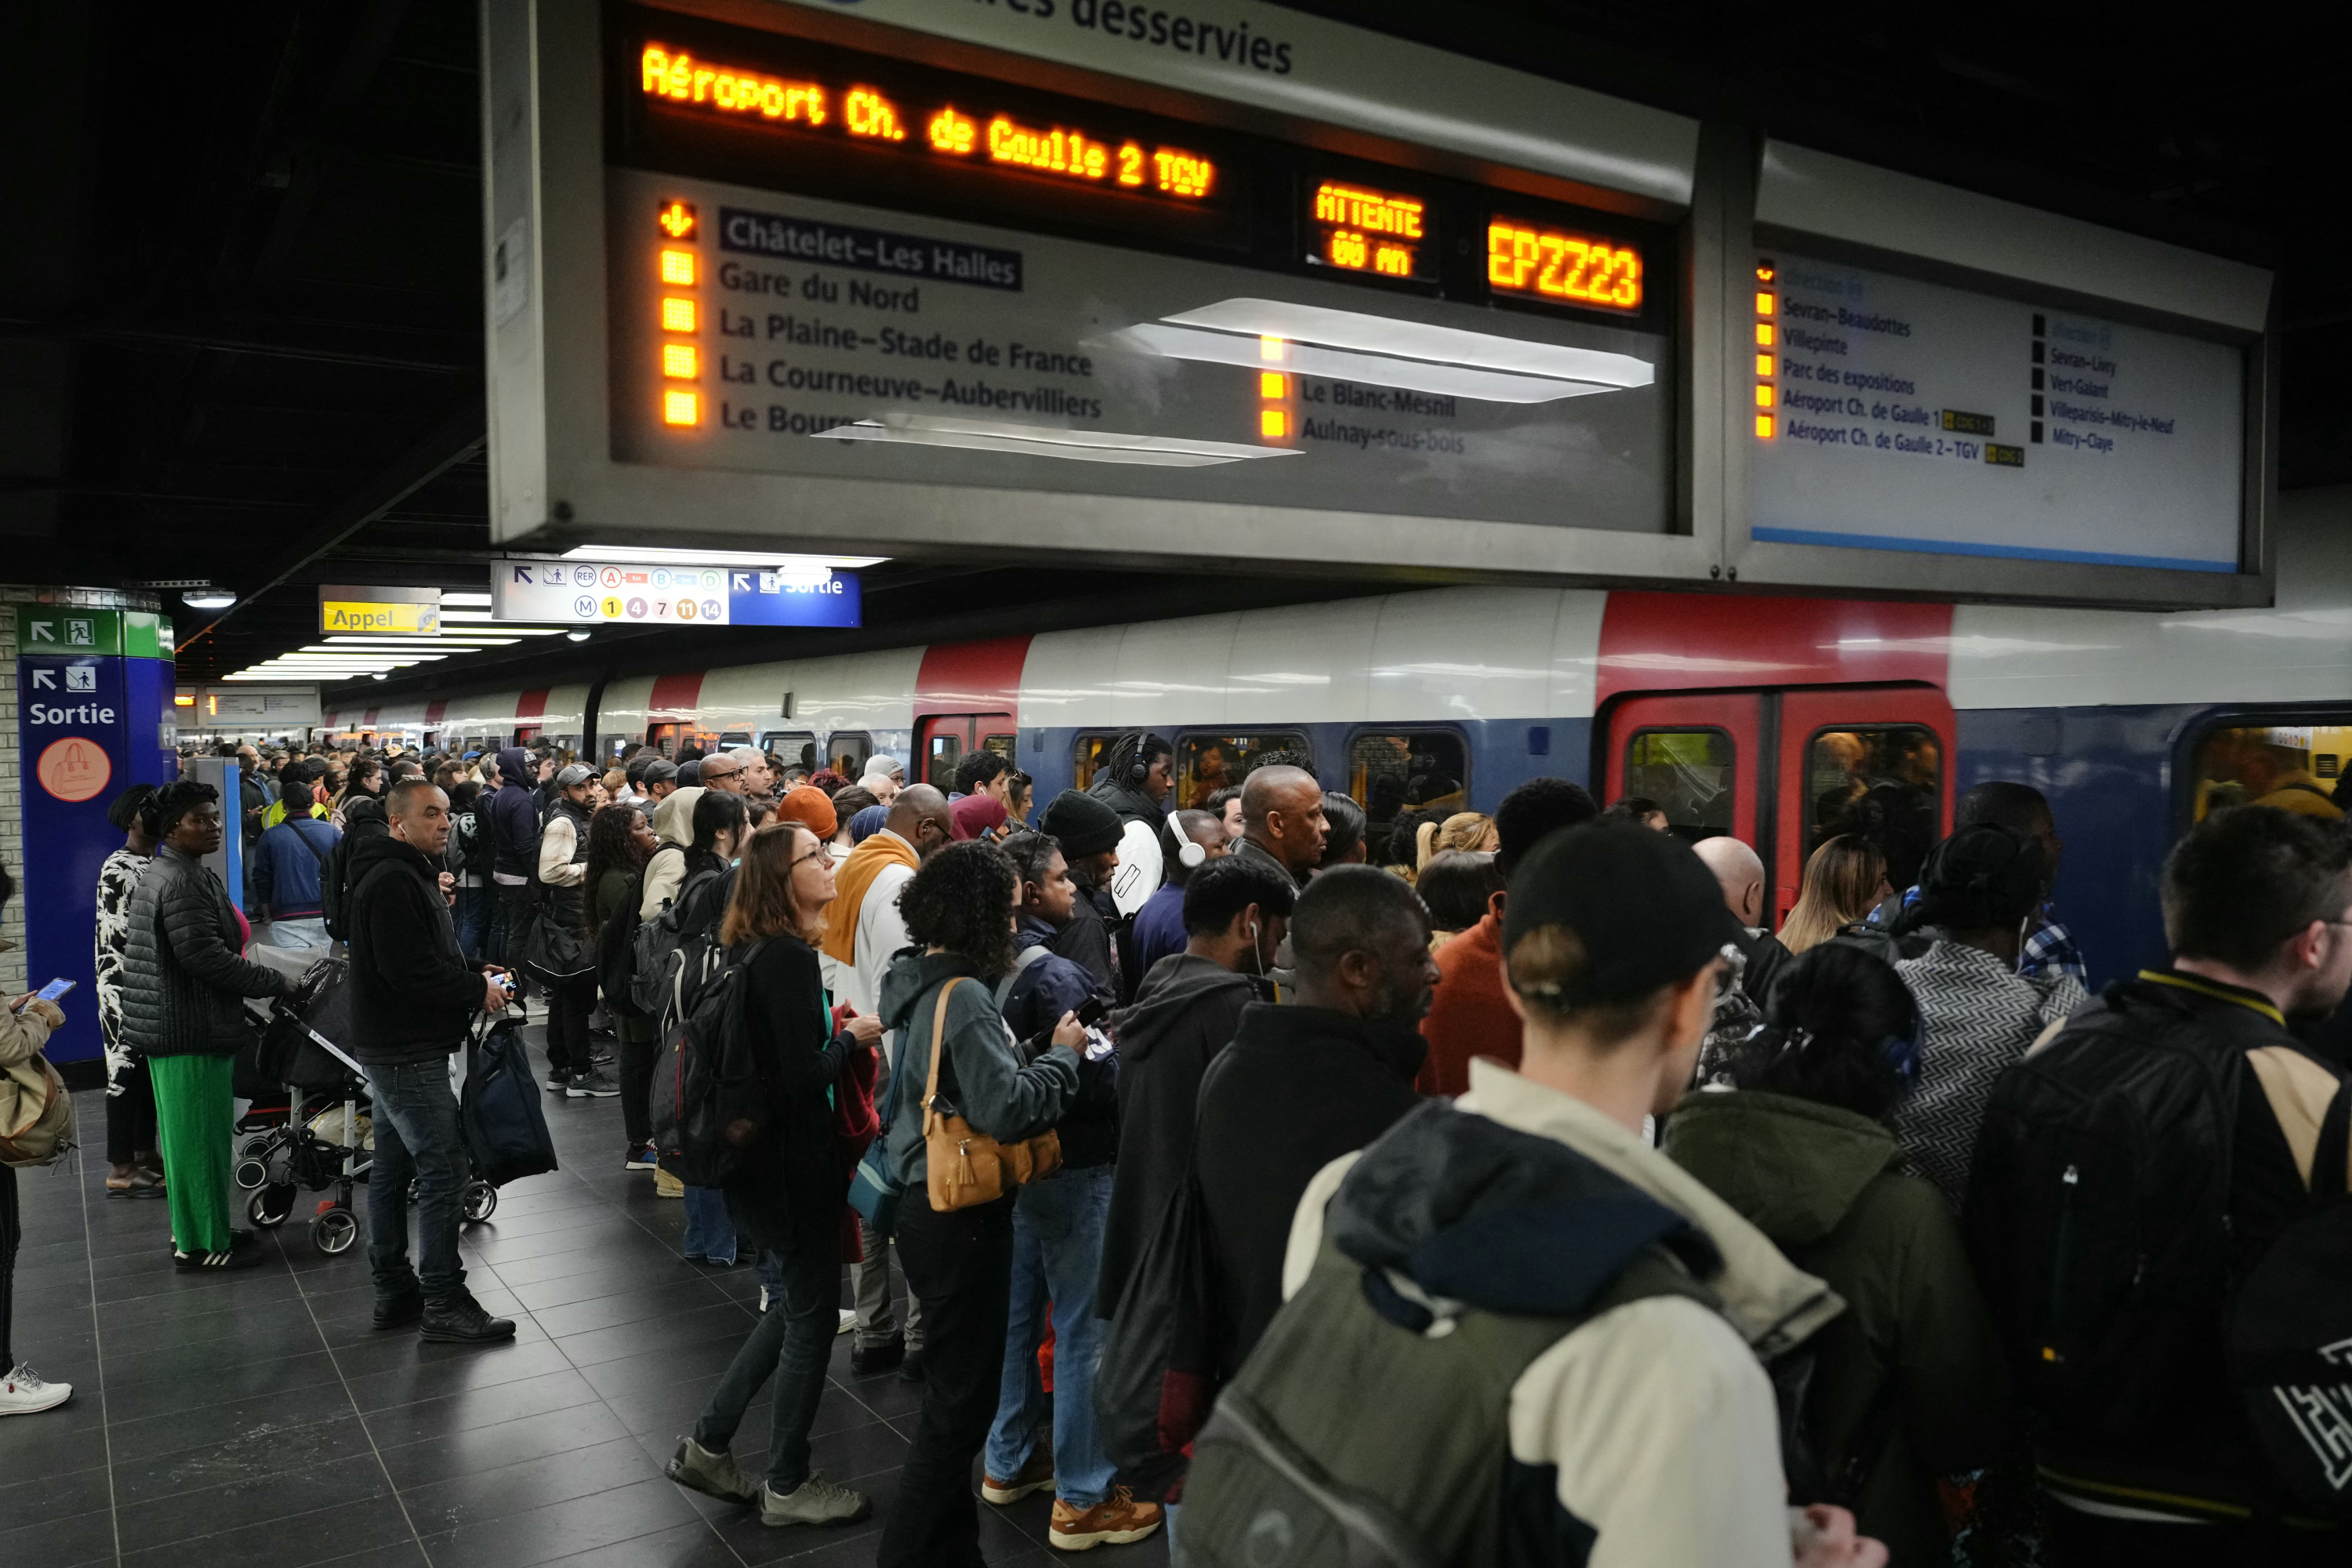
x: 664, y: 874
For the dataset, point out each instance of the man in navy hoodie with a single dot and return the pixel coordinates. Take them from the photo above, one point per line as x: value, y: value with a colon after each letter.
x: 513, y: 819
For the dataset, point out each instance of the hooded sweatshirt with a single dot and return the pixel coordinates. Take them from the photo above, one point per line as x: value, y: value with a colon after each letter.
x: 1653, y: 1422
x: 665, y: 871
x: 1823, y: 1183
x: 983, y: 1077
x: 1185, y: 1013
x: 513, y: 816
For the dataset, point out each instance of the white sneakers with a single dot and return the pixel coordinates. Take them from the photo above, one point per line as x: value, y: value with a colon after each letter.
x: 23, y: 1391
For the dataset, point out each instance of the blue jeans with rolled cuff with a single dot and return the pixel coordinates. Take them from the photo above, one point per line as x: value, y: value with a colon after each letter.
x: 416, y: 1135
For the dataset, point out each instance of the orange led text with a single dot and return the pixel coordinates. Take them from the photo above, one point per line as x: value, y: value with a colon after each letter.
x: 682, y: 79
x: 1563, y: 267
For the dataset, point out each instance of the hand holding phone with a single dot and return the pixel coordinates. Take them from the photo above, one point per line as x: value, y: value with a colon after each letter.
x: 49, y: 992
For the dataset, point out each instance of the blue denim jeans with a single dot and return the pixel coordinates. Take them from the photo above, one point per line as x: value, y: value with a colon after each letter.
x: 417, y: 1135
x: 472, y: 916
x: 709, y: 1229
x: 793, y: 1342
x: 1057, y: 1242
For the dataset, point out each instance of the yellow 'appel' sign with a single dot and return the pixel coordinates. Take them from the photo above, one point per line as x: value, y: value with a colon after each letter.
x: 349, y: 615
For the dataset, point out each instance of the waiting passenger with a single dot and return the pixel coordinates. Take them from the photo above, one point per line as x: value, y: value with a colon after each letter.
x: 1470, y: 1017
x: 1304, y: 1084
x: 979, y: 773
x: 1606, y: 1400
x: 1057, y: 1235
x: 1283, y: 824
x: 2048, y: 949
x: 1458, y: 886
x: 1748, y: 894
x: 1225, y: 805
x: 1159, y: 927
x: 1908, y: 1387
x: 787, y: 1198
x: 184, y: 981
x: 1846, y: 881
x: 959, y: 910
x: 414, y: 994
x: 1641, y: 812
x: 2086, y: 1241
x: 1343, y: 840
x: 1088, y: 832
x: 1978, y: 1015
x: 1235, y: 914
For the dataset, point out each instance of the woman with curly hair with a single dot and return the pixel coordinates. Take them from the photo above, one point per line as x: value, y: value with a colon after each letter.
x: 959, y: 912
x: 620, y: 840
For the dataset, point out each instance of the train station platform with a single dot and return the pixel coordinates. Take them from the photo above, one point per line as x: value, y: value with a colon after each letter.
x: 258, y: 1420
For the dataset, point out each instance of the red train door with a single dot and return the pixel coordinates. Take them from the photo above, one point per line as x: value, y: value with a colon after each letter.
x: 1786, y: 770
x: 944, y: 738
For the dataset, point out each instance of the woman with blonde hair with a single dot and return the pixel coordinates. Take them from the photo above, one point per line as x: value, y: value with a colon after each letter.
x: 1469, y: 830
x: 1844, y: 880
x: 788, y: 1192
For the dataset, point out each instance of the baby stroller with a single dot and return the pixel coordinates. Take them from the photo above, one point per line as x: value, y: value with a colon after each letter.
x: 326, y: 1140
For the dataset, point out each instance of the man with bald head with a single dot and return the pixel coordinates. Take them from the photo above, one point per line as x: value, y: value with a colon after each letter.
x: 1748, y: 894
x: 1282, y: 825
x: 864, y: 927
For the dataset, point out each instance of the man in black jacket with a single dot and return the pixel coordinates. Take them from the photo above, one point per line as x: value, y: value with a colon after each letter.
x: 1302, y: 1085
x: 412, y: 997
x: 1186, y: 1011
x: 1089, y: 833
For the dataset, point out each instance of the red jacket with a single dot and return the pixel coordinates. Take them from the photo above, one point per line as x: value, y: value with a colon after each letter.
x: 1469, y: 1015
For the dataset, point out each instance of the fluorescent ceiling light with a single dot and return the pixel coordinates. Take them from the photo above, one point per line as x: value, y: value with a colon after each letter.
x: 774, y: 561
x: 1049, y: 441
x: 448, y: 598
x: 1344, y: 365
x: 1417, y: 340
x: 207, y: 598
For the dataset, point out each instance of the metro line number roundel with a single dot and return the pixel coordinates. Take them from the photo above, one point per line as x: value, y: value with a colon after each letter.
x: 74, y: 769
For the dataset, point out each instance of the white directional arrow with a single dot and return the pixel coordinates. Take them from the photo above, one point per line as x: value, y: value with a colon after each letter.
x: 44, y: 631
x: 45, y: 679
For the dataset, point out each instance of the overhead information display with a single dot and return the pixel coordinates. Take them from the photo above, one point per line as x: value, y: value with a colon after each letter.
x: 819, y: 338
x: 810, y: 274
x: 1892, y: 413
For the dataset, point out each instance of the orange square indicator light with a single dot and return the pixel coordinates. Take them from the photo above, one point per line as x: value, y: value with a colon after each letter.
x: 677, y: 268
x: 1274, y: 424
x: 1273, y: 351
x: 1763, y: 364
x: 1764, y: 427
x: 681, y: 409
x: 1764, y: 334
x: 1273, y: 384
x: 1763, y: 303
x: 680, y: 361
x: 677, y: 219
x: 678, y: 316
x: 1763, y: 394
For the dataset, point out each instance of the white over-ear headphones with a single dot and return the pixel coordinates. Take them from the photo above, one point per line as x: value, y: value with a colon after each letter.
x: 1190, y: 854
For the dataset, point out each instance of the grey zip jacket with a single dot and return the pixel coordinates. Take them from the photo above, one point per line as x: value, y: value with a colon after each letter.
x: 983, y: 1077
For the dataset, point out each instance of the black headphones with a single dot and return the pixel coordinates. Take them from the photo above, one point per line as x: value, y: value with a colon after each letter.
x: 1131, y: 746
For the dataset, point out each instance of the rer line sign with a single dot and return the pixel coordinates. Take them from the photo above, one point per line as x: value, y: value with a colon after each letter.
x: 633, y: 593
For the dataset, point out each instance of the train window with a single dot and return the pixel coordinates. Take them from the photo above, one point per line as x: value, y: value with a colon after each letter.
x: 736, y: 738
x: 846, y: 750
x: 1689, y: 772
x: 2295, y: 767
x: 1207, y: 764
x: 941, y: 753
x: 790, y: 747
x: 1086, y: 758
x: 1885, y: 782
x: 1394, y: 771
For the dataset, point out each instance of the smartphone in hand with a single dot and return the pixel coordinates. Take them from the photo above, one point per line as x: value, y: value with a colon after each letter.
x: 49, y: 992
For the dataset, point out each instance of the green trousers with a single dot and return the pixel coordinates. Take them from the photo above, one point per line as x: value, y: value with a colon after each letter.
x: 195, y: 1123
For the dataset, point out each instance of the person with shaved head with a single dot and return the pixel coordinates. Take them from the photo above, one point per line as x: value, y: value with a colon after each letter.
x: 1748, y: 894
x: 1282, y: 825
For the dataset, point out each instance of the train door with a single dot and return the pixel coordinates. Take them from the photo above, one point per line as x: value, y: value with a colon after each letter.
x: 944, y: 738
x: 1785, y: 770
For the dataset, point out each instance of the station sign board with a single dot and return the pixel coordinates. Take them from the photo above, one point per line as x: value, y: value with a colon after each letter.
x: 1270, y: 290
x: 641, y: 592
x: 372, y: 610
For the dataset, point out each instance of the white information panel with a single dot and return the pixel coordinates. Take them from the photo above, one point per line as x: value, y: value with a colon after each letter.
x: 854, y: 342
x: 1899, y: 414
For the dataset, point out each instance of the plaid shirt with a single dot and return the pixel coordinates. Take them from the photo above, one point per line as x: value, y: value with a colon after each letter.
x: 2049, y: 949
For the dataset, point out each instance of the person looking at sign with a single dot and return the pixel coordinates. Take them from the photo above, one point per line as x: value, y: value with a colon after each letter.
x: 183, y: 989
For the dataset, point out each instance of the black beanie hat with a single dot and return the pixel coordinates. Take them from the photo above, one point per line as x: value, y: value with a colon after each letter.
x: 1981, y: 877
x: 1084, y: 825
x: 1646, y: 909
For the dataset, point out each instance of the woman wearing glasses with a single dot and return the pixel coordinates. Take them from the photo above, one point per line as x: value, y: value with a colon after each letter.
x: 789, y: 1198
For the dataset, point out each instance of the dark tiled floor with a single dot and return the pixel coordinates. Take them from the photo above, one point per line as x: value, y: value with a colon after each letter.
x: 259, y: 1421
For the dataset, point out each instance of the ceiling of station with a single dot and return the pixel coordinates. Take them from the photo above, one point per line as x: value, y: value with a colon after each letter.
x: 240, y: 298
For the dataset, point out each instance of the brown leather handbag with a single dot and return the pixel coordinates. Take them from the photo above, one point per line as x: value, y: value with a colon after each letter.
x: 967, y: 1166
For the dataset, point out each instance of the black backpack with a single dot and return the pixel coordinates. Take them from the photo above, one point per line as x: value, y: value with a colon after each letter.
x: 615, y: 951
x: 474, y: 851
x: 708, y: 1101
x: 2098, y: 1212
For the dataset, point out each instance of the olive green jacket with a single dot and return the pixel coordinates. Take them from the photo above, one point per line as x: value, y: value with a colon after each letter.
x: 1821, y: 1183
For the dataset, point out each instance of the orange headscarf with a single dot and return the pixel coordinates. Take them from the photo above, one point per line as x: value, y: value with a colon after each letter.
x: 851, y: 880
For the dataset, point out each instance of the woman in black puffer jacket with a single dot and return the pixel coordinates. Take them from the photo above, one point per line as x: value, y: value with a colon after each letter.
x: 184, y: 981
